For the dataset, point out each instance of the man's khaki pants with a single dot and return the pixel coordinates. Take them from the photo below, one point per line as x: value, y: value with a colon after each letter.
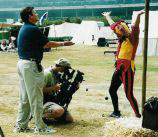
x: 31, y: 94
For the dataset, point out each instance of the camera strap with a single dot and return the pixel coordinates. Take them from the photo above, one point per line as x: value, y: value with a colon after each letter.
x: 39, y: 66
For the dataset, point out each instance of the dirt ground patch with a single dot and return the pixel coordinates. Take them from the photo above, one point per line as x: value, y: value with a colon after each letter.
x: 86, y: 107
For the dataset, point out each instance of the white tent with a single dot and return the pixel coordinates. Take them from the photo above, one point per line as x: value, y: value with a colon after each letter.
x: 65, y: 29
x: 18, y: 24
x: 107, y: 33
x: 87, y: 33
x: 152, y: 33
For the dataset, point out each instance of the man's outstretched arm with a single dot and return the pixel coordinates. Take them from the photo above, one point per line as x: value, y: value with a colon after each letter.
x: 58, y: 44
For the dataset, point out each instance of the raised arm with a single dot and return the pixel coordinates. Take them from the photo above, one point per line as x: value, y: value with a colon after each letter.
x: 108, y: 18
x: 137, y: 21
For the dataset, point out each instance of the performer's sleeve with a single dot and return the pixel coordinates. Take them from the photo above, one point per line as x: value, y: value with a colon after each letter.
x: 135, y: 35
x: 113, y: 26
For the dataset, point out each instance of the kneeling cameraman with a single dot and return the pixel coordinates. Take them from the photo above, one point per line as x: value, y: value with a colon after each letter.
x: 53, y: 111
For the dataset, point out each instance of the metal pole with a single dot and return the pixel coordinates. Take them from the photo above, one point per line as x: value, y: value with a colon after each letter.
x: 145, y: 49
x: 76, y: 13
x: 61, y: 9
x: 54, y: 31
x: 126, y: 12
x: 2, y: 31
x: 61, y: 13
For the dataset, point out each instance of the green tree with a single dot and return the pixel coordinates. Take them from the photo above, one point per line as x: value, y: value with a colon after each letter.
x: 67, y: 20
x: 77, y: 20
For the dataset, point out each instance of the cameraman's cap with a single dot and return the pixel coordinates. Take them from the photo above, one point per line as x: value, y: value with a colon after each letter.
x: 63, y: 62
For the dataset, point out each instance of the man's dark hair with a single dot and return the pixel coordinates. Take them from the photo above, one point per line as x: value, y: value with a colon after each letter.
x: 25, y: 14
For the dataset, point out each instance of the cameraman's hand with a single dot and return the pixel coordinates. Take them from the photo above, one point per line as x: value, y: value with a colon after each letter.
x: 56, y: 88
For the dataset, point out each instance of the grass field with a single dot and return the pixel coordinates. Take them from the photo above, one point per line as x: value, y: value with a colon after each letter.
x: 86, y: 107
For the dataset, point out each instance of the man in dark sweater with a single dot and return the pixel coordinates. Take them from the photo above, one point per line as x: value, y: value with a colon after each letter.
x: 31, y: 43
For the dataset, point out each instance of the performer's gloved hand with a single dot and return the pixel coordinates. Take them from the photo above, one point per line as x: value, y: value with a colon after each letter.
x: 141, y: 12
x: 106, y: 14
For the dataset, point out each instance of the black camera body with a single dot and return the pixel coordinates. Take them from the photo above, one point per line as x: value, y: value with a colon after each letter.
x: 69, y: 80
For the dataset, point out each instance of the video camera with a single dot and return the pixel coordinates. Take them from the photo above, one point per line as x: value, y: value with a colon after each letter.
x: 70, y: 81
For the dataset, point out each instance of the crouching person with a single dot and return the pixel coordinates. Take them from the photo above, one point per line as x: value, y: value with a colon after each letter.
x: 53, y: 112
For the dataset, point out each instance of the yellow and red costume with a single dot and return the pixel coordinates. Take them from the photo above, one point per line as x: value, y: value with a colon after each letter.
x: 125, y: 68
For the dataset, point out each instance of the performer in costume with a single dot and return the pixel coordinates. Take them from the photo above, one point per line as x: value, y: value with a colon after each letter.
x: 125, y: 68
